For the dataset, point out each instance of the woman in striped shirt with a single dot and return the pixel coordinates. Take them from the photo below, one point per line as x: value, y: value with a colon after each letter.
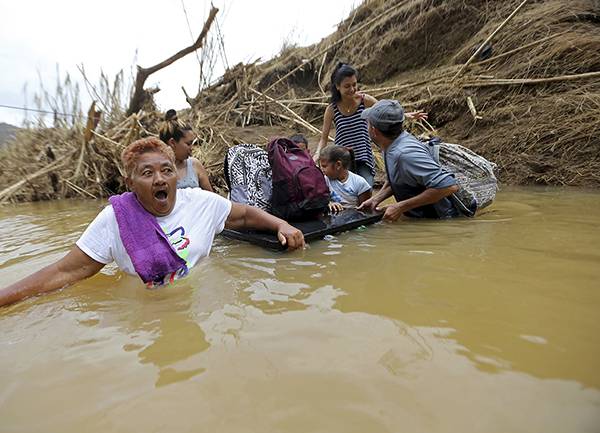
x: 351, y: 131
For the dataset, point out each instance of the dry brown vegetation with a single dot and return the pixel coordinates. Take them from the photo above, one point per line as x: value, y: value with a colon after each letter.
x: 535, y: 100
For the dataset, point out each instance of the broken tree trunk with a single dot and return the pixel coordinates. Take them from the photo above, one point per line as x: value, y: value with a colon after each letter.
x: 139, y: 94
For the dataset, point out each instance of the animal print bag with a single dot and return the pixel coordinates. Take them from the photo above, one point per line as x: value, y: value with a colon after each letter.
x: 248, y: 176
x: 474, y: 174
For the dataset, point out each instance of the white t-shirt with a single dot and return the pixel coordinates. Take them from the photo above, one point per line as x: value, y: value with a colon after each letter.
x: 191, y: 227
x: 347, y: 192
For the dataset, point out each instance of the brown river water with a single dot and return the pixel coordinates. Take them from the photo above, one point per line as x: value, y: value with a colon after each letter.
x: 483, y: 325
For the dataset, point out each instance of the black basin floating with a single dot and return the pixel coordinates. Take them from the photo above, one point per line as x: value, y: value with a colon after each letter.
x: 347, y: 219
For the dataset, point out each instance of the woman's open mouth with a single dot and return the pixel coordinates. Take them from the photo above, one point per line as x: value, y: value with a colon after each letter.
x: 161, y: 195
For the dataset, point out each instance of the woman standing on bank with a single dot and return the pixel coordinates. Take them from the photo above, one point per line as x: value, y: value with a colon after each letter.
x: 345, y: 110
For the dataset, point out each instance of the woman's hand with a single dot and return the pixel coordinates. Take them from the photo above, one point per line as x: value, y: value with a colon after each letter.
x: 315, y: 157
x: 290, y: 236
x: 417, y: 115
x: 335, y: 207
x: 243, y: 216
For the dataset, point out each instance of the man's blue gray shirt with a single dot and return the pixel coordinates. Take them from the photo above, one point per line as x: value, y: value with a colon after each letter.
x: 411, y: 169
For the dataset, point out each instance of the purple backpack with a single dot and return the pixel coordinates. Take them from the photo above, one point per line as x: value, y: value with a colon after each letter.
x: 299, y: 188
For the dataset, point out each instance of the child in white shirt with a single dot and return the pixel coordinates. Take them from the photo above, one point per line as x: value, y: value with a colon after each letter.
x: 348, y: 190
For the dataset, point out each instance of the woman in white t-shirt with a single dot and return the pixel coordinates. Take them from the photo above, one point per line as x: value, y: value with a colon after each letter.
x: 348, y: 190
x: 189, y: 218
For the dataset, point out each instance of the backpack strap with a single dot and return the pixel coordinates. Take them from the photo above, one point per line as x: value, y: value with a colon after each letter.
x: 226, y: 171
x: 465, y: 209
x: 434, y: 148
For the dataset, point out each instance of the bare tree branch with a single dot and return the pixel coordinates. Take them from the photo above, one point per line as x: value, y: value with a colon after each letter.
x: 139, y: 95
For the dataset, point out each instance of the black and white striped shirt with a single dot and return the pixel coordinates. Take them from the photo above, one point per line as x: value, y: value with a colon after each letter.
x: 352, y: 131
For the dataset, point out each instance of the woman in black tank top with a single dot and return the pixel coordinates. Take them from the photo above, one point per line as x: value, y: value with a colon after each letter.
x: 344, y: 111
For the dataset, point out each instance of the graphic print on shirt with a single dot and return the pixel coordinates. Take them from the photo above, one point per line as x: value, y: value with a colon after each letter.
x: 335, y: 196
x: 179, y: 242
x: 181, y: 245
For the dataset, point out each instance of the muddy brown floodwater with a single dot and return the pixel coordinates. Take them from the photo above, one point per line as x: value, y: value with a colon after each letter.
x: 484, y: 325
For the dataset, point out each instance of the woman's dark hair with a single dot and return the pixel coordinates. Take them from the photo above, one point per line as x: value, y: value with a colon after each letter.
x: 171, y: 127
x: 341, y: 71
x: 334, y: 153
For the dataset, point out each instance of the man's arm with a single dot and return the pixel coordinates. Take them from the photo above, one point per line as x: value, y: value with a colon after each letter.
x: 372, y: 203
x: 364, y: 197
x: 73, y: 267
x: 429, y: 196
x: 243, y: 216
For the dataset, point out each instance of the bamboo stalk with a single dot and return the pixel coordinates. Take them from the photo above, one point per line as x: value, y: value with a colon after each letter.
x: 145, y: 131
x: 80, y: 160
x: 490, y: 37
x: 291, y: 119
x: 293, y: 101
x: 97, y: 134
x: 308, y: 98
x: 386, y: 90
x: 371, y: 91
x: 78, y: 189
x: 472, y: 109
x: 249, y: 112
x: 508, y: 53
x: 292, y: 112
x: 527, y: 81
x: 319, y: 74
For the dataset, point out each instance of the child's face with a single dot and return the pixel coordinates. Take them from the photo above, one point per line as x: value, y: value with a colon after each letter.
x: 301, y: 145
x: 330, y: 169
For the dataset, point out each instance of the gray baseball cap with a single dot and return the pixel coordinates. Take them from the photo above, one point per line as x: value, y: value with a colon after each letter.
x: 384, y: 113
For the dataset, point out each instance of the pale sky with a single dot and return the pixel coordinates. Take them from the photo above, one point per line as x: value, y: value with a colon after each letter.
x: 37, y: 35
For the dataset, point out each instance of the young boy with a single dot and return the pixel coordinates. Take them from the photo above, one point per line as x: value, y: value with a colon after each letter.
x: 301, y: 141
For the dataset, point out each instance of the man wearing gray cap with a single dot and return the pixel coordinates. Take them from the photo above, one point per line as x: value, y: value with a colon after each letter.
x: 419, y: 184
